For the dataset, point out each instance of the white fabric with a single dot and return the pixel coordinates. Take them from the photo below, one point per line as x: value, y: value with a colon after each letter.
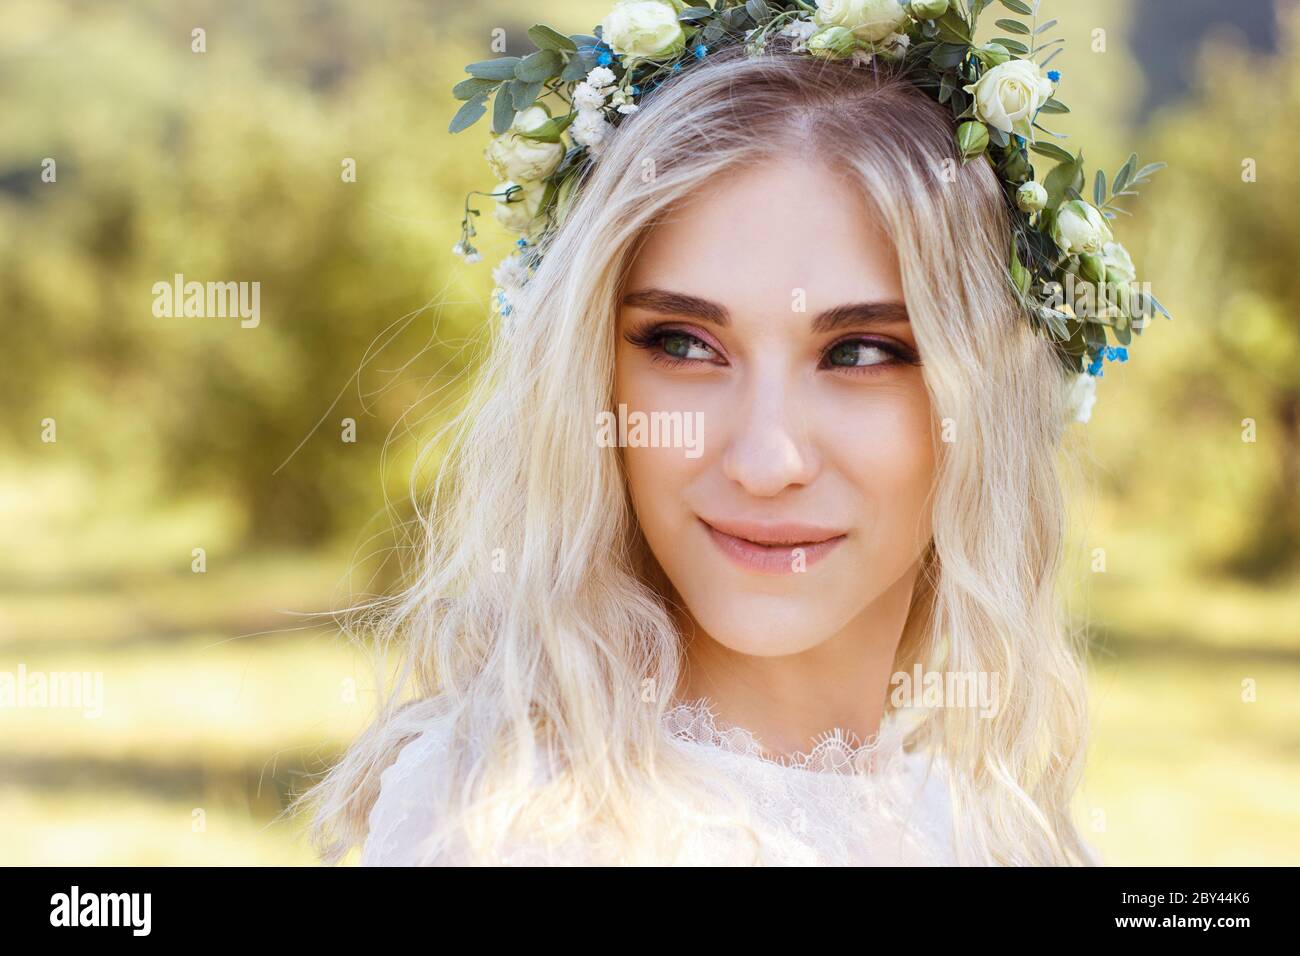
x: 841, y: 803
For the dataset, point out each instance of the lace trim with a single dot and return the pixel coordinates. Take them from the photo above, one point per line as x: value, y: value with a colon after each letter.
x: 834, y: 751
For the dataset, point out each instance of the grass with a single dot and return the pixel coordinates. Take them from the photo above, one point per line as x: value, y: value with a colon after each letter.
x: 205, y: 733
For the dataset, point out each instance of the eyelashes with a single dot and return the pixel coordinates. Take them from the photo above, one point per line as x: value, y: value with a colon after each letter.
x: 675, y: 347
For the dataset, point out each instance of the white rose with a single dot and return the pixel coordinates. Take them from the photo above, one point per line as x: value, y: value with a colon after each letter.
x: 1081, y: 229
x: 589, y: 129
x: 514, y: 156
x: 1009, y: 96
x: 1080, y: 396
x: 1119, y: 264
x: 518, y: 214
x: 870, y: 20
x: 587, y: 97
x: 644, y: 29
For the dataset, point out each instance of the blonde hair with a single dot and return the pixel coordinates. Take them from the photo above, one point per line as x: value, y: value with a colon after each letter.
x: 547, y: 665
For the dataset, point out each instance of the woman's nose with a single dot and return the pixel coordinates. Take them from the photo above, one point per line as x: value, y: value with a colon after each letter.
x: 770, y: 447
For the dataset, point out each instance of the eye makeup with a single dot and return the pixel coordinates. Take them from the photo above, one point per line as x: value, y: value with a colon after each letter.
x: 675, y: 346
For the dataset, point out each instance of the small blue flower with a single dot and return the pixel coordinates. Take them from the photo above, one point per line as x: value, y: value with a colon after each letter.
x: 636, y: 91
x: 700, y: 51
x: 1054, y: 76
x: 605, y: 59
x: 1095, y: 369
x: 522, y: 243
x: 1122, y: 353
x: 677, y: 68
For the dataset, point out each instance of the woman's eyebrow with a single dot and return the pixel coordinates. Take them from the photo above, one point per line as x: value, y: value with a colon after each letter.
x: 679, y: 303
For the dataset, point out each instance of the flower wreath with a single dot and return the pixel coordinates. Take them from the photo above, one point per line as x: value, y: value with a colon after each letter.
x: 1078, y: 286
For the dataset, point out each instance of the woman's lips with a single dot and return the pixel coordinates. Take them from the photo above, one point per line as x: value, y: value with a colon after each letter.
x: 771, y: 548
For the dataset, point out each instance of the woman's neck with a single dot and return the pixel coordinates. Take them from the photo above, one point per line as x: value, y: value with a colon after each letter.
x: 786, y: 702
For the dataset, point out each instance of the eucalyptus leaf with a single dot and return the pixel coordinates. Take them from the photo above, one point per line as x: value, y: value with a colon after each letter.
x: 502, y: 68
x: 758, y: 9
x: 548, y: 39
x: 540, y: 66
x: 1015, y: 26
x: 469, y: 113
x: 503, y: 110
x: 1054, y: 106
x: 695, y: 13
x: 1046, y: 26
x: 1099, y: 189
x: 468, y: 89
x: 524, y: 94
x: 1019, y: 6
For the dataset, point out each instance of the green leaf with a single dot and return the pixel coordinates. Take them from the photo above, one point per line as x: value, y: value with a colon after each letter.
x: 549, y: 132
x: 1015, y: 26
x: 1052, y: 151
x: 1125, y: 174
x: 468, y: 89
x: 758, y: 9
x: 1148, y: 170
x: 695, y: 13
x: 1012, y: 45
x: 1019, y: 6
x: 1046, y: 26
x: 1099, y: 189
x: 502, y: 68
x: 469, y: 114
x: 1063, y: 179
x: 948, y: 55
x: 578, y: 67
x: 1055, y: 53
x: 524, y: 94
x: 539, y: 66
x: 503, y: 110
x: 1054, y: 105
x: 548, y: 39
x: 952, y: 28
x: 584, y: 39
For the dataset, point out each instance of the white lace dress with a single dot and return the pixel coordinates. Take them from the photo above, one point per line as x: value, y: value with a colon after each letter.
x: 842, y: 803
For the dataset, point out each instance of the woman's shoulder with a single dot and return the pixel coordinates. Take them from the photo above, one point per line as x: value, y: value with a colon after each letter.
x: 402, y: 820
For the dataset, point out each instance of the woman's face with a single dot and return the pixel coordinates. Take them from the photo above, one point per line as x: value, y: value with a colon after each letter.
x: 769, y: 312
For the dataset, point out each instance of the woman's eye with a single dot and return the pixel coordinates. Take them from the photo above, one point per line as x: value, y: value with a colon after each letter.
x: 681, y: 346
x: 857, y: 355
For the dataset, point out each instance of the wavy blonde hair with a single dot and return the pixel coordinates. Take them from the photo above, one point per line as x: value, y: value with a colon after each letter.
x: 547, y: 665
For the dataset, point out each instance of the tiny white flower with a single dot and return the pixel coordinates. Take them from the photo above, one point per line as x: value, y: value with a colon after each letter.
x: 600, y: 77
x: 1082, y: 395
x: 474, y: 257
x: 587, y: 97
x: 458, y: 249
x: 628, y: 108
x: 589, y: 129
x: 510, y: 275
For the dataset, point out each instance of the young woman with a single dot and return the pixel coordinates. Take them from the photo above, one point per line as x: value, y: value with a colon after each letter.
x: 703, y: 650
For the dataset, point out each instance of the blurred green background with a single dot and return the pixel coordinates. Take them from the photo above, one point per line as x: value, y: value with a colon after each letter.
x: 221, y: 691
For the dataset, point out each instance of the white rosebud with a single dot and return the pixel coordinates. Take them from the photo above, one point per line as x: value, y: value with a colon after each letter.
x: 1081, y: 395
x: 1009, y: 96
x: 928, y: 9
x: 587, y: 97
x: 1031, y: 197
x: 518, y: 213
x: 644, y: 30
x: 870, y: 20
x: 601, y: 77
x: 589, y: 129
x: 1081, y: 229
x: 833, y: 43
x: 1119, y: 264
x: 514, y: 156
